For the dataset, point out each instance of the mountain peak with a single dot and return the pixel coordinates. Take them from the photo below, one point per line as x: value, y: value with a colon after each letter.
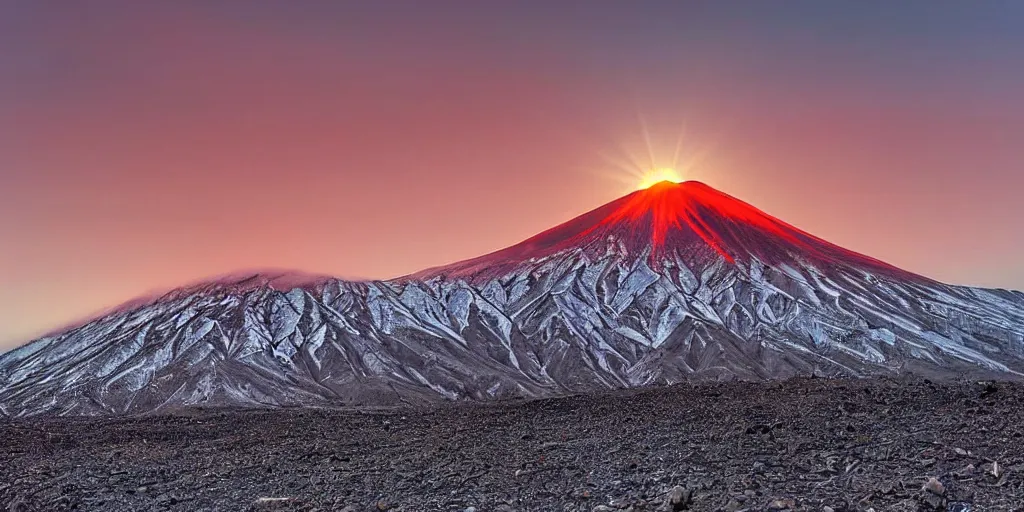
x: 666, y: 185
x: 667, y: 206
x: 688, y: 220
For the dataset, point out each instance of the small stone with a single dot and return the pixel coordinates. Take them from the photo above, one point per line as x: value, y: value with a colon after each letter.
x: 339, y: 505
x: 934, y: 500
x: 470, y: 509
x: 383, y: 506
x: 827, y: 508
x: 996, y: 470
x: 619, y: 503
x: 733, y: 506
x: 603, y: 508
x: 678, y: 498
x: 782, y: 504
x: 960, y: 451
x: 934, y: 486
x: 581, y: 493
x: 271, y: 503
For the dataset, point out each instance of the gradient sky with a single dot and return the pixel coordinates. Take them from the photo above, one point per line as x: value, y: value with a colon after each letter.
x: 144, y: 145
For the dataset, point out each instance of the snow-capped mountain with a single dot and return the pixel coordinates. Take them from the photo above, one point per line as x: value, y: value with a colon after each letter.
x: 676, y: 282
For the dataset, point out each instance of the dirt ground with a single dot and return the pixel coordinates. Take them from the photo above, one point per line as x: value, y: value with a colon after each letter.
x: 805, y: 444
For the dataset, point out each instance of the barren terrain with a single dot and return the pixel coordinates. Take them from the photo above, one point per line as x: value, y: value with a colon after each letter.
x: 803, y: 444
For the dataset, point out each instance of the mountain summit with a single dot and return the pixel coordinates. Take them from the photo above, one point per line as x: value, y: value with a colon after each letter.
x: 688, y: 220
x: 672, y: 283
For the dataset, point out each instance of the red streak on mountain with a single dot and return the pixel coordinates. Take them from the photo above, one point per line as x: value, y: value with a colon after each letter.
x: 690, y: 219
x: 670, y: 206
x: 715, y: 217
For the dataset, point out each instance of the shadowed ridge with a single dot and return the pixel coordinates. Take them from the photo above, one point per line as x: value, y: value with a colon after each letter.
x: 230, y: 283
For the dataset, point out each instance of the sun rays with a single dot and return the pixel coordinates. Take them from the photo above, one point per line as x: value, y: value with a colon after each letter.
x: 646, y: 160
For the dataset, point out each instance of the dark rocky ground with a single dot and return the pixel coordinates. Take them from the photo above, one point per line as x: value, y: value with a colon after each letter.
x: 799, y: 445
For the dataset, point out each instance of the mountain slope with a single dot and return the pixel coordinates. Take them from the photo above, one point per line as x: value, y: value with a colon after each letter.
x: 671, y: 283
x: 690, y: 219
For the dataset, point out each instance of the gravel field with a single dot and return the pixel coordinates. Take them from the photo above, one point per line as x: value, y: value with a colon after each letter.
x: 803, y: 444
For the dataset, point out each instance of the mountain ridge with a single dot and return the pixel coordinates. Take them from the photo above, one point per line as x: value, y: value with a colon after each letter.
x: 574, y: 309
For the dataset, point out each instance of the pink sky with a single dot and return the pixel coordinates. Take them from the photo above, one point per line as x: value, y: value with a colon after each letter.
x: 142, y: 148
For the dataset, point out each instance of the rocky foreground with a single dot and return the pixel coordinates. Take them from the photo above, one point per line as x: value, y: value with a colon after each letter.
x: 806, y: 444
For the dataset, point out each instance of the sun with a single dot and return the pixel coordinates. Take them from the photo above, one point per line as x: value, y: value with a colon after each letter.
x: 657, y: 176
